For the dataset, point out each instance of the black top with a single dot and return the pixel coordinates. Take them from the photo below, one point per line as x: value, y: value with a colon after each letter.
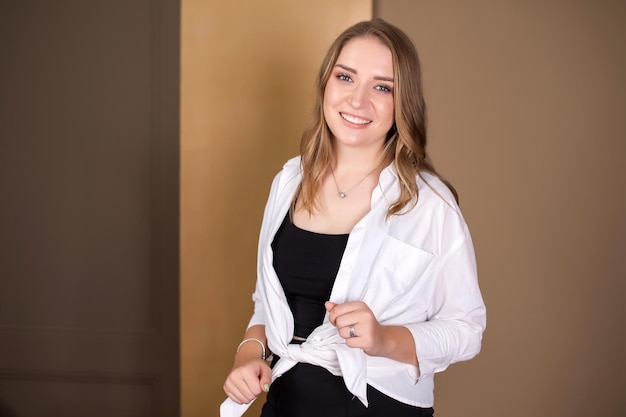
x: 306, y: 264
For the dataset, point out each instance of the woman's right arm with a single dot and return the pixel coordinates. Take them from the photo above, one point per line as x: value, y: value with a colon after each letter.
x: 250, y: 375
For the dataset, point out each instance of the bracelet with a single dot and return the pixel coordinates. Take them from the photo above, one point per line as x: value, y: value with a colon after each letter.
x: 256, y: 340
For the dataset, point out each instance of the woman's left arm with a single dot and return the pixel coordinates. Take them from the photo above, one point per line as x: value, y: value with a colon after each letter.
x: 457, y: 314
x: 453, y: 329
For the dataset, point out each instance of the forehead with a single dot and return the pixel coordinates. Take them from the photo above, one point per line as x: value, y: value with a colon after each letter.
x: 367, y: 53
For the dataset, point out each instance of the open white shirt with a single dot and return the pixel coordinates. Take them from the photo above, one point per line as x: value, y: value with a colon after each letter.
x: 416, y: 270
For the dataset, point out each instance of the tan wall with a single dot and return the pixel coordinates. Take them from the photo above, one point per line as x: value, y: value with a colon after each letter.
x: 527, y: 104
x: 247, y: 78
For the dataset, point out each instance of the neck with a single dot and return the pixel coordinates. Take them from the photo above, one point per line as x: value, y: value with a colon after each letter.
x: 357, y: 160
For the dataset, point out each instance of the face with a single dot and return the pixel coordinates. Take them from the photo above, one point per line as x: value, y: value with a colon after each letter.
x: 358, y: 99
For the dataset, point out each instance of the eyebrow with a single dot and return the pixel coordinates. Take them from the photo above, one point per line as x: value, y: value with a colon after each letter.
x: 376, y: 77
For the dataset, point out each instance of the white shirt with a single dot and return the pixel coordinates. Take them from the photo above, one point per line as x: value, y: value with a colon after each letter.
x: 416, y: 270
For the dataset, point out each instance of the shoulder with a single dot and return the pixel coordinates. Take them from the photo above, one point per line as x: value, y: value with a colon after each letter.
x: 435, y: 214
x: 292, y: 165
x: 290, y: 169
x: 288, y: 175
x: 433, y: 191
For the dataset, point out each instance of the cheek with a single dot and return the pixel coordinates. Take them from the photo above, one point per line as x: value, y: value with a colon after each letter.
x: 386, y: 111
x: 328, y: 113
x: 330, y: 96
x: 329, y: 102
x: 326, y: 106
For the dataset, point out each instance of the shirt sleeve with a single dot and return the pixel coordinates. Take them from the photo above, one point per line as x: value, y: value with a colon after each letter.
x: 457, y: 314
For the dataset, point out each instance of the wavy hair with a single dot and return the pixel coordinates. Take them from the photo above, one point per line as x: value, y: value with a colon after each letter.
x: 406, y: 140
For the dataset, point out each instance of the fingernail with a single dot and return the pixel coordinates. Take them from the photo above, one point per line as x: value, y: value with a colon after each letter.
x: 267, y: 387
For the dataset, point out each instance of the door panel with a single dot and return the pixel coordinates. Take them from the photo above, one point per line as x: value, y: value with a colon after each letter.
x: 76, y: 395
x: 89, y: 218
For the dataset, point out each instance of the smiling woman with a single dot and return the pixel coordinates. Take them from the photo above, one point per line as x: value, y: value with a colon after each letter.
x: 367, y: 281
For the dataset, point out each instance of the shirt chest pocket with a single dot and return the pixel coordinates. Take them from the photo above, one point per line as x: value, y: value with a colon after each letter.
x: 398, y: 272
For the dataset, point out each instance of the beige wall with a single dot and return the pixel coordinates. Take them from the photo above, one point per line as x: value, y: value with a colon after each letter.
x: 247, y: 79
x: 527, y: 102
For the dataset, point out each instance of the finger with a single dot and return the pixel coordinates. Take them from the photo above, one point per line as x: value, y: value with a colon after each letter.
x: 346, y: 308
x: 350, y: 332
x: 235, y: 394
x: 246, y: 387
x: 344, y: 332
x: 330, y: 306
x: 340, y: 310
x: 348, y: 319
x: 266, y: 378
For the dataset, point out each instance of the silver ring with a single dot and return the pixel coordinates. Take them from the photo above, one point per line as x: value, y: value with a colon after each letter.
x: 352, y: 332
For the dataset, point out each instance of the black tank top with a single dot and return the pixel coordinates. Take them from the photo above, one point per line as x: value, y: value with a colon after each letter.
x: 306, y: 264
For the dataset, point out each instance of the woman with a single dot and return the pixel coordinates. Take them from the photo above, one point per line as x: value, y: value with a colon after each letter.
x: 366, y: 274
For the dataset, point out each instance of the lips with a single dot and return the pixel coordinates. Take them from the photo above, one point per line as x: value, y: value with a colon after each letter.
x: 355, y: 120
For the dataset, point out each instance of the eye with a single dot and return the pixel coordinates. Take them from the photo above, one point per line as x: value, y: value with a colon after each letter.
x: 383, y: 88
x: 344, y: 77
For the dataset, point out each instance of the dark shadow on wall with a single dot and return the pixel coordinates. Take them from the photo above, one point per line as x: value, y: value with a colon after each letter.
x: 5, y: 411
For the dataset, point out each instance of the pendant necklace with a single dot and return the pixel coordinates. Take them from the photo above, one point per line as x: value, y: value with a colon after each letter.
x: 344, y: 194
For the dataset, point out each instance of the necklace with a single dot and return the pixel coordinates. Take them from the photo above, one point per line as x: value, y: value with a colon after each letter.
x: 344, y: 194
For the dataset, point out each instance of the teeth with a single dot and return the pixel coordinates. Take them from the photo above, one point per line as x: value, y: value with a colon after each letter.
x: 355, y: 120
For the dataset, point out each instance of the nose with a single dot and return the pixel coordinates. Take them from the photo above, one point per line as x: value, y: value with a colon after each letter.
x: 358, y: 96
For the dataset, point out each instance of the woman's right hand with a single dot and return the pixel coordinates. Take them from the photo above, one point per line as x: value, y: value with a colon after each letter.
x: 247, y: 379
x: 250, y: 375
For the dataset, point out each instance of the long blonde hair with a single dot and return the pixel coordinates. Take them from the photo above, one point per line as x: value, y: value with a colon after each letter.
x: 406, y: 141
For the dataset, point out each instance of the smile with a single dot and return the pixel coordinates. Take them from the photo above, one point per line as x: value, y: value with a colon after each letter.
x: 354, y: 120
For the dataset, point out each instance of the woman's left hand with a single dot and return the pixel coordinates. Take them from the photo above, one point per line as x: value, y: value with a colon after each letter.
x: 356, y: 323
